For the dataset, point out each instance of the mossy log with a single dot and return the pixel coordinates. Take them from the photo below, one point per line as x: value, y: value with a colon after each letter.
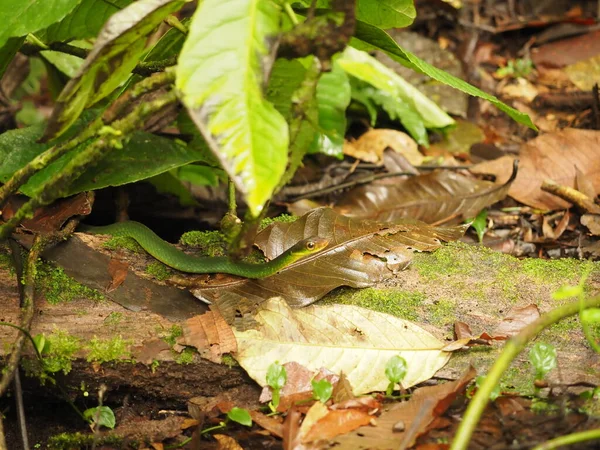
x: 123, y: 336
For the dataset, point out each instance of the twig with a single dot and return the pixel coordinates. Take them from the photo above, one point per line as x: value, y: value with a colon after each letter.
x: 512, y: 348
x: 28, y: 281
x: 571, y: 195
x: 143, y: 68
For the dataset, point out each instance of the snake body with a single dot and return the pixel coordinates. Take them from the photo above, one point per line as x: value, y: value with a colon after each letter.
x: 172, y: 257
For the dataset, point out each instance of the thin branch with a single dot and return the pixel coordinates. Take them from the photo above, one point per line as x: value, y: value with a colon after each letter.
x: 143, y: 68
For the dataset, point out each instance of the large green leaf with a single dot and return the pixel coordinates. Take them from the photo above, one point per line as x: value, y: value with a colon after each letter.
x: 368, y: 37
x: 386, y: 13
x: 116, y: 51
x: 333, y: 97
x: 403, y: 98
x: 220, y: 75
x: 85, y: 21
x: 380, y: 13
x: 144, y: 155
x: 20, y: 17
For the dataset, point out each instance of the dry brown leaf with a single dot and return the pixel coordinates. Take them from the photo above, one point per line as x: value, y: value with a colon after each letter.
x: 431, y: 198
x: 210, y: 334
x: 516, y: 320
x: 336, y: 422
x: 118, y: 273
x: 424, y: 406
x: 360, y: 253
x: 149, y: 350
x: 592, y: 222
x: 51, y: 218
x: 555, y: 156
x: 272, y: 424
x: 227, y: 442
x: 370, y: 146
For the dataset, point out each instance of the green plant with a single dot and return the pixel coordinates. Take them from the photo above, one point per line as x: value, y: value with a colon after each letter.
x: 516, y: 68
x: 257, y: 137
x: 322, y: 390
x: 479, y: 224
x: 478, y: 382
x: 395, y: 371
x: 543, y: 359
x: 100, y: 416
x: 276, y: 379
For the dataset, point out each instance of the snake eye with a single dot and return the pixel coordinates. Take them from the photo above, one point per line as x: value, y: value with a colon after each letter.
x: 310, y: 245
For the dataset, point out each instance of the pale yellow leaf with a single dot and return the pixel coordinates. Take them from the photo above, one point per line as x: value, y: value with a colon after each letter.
x: 345, y: 338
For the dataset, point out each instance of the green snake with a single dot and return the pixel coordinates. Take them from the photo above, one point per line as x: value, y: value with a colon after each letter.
x: 172, y: 257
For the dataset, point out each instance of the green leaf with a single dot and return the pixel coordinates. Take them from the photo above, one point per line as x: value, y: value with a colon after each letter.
x: 65, y: 63
x: 386, y: 13
x: 396, y: 368
x: 199, y: 175
x: 168, y: 183
x: 410, y: 100
x: 276, y: 376
x: 85, y: 21
x: 398, y: 109
x: 322, y: 390
x: 495, y: 392
x: 21, y: 17
x: 8, y: 52
x: 41, y: 344
x: 240, y: 415
x: 220, y: 75
x: 479, y: 224
x: 333, y: 97
x: 115, y: 53
x: 543, y: 358
x: 286, y: 77
x: 143, y: 156
x: 566, y: 291
x: 591, y: 315
x: 368, y: 37
x: 101, y: 416
x: 380, y: 13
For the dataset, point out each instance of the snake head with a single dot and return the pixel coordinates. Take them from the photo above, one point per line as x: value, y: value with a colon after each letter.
x: 309, y: 246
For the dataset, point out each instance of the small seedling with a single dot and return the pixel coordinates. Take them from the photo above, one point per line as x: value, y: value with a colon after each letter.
x: 100, y: 416
x: 478, y: 382
x: 543, y: 358
x: 322, y: 390
x: 517, y: 68
x: 395, y: 371
x: 235, y: 414
x: 276, y: 378
x: 240, y: 415
x: 479, y: 224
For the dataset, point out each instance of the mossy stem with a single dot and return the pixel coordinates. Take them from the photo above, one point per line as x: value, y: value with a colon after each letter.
x: 21, y: 176
x: 513, y: 347
x: 143, y: 68
x: 26, y: 288
x: 58, y: 185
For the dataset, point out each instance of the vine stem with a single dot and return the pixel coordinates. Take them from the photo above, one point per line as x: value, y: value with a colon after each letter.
x: 513, y: 347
